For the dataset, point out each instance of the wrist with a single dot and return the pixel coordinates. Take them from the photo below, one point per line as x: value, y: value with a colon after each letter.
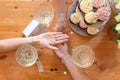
x: 37, y: 39
x: 67, y: 61
x: 66, y: 58
x: 32, y: 40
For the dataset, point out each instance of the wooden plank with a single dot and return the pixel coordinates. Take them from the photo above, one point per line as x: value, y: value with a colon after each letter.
x: 15, y: 15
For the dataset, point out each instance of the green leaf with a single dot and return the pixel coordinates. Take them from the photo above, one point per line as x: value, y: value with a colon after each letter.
x: 117, y: 18
x: 113, y: 29
x: 116, y: 1
x: 118, y: 43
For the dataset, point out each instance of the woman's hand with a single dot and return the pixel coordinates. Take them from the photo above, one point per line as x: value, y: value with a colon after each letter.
x: 51, y: 39
x: 62, y: 51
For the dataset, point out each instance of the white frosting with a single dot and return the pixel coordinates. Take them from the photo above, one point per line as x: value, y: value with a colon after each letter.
x: 86, y: 6
x: 74, y: 18
x: 91, y: 18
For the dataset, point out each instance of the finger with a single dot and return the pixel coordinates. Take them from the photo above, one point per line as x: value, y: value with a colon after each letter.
x: 57, y: 33
x: 62, y: 35
x: 53, y: 47
x: 62, y: 38
x: 58, y: 45
x: 61, y: 41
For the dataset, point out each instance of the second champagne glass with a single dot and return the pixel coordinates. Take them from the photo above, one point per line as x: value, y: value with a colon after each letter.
x: 83, y: 56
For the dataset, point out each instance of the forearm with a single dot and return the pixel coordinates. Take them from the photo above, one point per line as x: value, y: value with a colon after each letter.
x: 76, y: 72
x: 14, y: 43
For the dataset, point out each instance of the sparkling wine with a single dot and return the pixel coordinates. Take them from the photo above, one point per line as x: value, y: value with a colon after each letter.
x: 83, y: 56
x: 44, y: 13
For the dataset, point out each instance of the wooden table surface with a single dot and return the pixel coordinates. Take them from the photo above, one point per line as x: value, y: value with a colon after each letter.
x: 15, y: 15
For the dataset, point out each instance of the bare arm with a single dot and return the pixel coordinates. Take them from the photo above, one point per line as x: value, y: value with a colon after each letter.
x: 49, y: 40
x: 12, y: 44
x: 76, y: 72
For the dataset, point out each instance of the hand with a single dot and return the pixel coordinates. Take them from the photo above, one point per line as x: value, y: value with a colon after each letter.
x: 62, y: 51
x: 51, y: 39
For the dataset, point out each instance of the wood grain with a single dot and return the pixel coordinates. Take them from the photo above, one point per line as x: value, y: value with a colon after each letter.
x: 15, y: 15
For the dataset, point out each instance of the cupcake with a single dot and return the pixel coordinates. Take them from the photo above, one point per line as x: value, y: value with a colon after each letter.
x: 91, y: 18
x: 86, y: 6
x: 98, y: 3
x: 103, y: 13
x: 74, y: 18
x: 92, y: 30
x: 83, y: 25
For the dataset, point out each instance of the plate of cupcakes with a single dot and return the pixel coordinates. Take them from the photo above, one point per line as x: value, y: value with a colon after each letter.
x: 88, y: 17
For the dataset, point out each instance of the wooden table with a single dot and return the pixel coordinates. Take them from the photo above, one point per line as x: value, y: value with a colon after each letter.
x: 15, y: 15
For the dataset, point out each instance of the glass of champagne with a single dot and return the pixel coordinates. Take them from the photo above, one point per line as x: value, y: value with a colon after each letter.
x: 83, y: 56
x: 44, y: 13
x: 26, y: 55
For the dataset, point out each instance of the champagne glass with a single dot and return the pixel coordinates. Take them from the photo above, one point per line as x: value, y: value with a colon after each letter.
x: 26, y: 55
x: 83, y: 56
x: 44, y: 13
